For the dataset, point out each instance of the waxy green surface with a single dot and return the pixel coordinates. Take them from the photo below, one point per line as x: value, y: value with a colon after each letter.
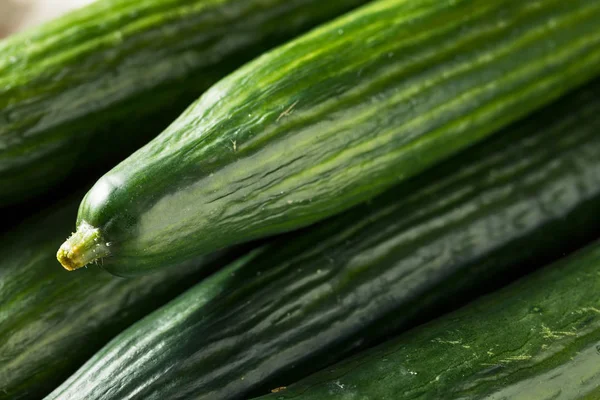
x: 305, y: 300
x: 88, y: 89
x: 51, y: 321
x: 335, y: 117
x: 538, y: 339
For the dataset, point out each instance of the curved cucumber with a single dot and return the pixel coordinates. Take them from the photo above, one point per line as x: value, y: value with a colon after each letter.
x: 52, y: 322
x: 95, y: 84
x: 538, y: 339
x: 303, y: 301
x: 330, y: 120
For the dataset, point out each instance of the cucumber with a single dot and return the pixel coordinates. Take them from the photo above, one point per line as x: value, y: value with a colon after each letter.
x: 94, y: 85
x: 52, y: 322
x: 330, y: 120
x: 538, y: 339
x: 306, y: 299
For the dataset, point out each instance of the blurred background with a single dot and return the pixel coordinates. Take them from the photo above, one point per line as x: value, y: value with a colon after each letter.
x: 16, y: 15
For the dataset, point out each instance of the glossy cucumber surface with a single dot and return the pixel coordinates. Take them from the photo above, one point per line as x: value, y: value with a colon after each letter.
x: 307, y: 299
x: 51, y: 322
x: 538, y: 339
x: 91, y: 87
x: 332, y: 119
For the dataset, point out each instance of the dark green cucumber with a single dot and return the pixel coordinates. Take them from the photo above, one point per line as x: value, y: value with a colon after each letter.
x: 538, y: 339
x: 305, y: 300
x: 330, y: 120
x: 94, y: 85
x: 52, y: 322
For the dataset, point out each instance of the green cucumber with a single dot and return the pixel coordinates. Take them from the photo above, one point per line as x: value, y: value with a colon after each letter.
x: 538, y: 339
x: 304, y: 300
x: 94, y: 85
x: 330, y: 120
x: 52, y: 322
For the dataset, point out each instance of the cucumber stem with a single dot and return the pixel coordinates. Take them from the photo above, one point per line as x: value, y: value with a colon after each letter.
x: 82, y: 247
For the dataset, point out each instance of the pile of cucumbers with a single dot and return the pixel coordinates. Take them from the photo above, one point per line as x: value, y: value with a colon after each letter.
x: 302, y: 199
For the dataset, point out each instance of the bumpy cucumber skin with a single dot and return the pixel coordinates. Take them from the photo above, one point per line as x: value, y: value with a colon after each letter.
x: 51, y: 322
x: 335, y: 117
x: 303, y: 301
x: 96, y: 84
x: 538, y: 339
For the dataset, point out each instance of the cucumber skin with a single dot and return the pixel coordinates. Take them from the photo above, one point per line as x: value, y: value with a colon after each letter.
x: 51, y: 322
x: 91, y: 87
x: 285, y: 141
x: 538, y: 339
x: 307, y: 299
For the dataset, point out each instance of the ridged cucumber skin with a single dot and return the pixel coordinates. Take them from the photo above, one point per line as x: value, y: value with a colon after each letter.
x: 51, y: 322
x: 306, y: 299
x: 99, y: 82
x: 335, y: 117
x: 538, y: 339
